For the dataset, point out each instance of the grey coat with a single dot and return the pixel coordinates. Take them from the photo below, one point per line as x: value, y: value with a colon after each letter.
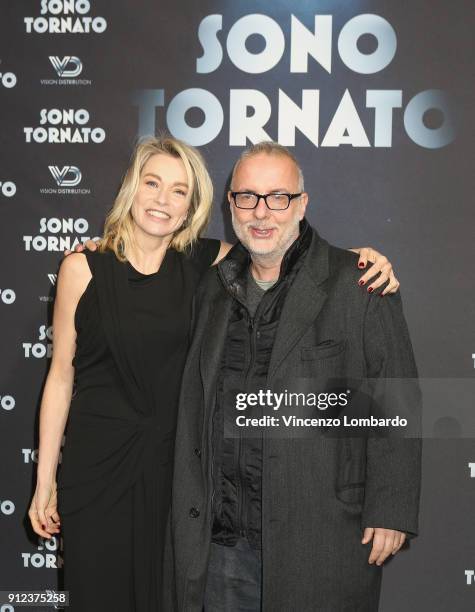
x: 317, y: 494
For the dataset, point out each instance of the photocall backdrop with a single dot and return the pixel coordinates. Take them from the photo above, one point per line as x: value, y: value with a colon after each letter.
x: 376, y: 100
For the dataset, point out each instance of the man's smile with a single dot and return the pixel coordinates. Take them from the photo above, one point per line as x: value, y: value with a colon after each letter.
x: 262, y: 232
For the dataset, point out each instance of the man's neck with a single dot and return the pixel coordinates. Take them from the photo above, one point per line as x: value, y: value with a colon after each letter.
x: 265, y: 270
x: 267, y: 267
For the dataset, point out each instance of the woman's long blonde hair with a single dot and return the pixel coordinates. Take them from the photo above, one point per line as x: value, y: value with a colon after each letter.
x: 118, y: 228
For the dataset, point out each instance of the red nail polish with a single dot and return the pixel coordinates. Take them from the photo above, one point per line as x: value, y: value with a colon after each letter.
x: 361, y: 265
x: 381, y: 294
x: 370, y: 289
x: 361, y: 283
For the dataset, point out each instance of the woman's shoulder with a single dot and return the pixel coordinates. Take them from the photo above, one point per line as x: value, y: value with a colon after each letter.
x: 73, y: 277
x: 74, y: 264
x: 207, y: 244
x: 203, y: 252
x: 83, y: 264
x: 98, y: 257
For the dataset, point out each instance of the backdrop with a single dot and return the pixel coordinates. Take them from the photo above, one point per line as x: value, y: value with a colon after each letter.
x: 376, y: 100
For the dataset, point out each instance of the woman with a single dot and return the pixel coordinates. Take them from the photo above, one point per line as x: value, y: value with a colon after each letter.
x: 121, y: 323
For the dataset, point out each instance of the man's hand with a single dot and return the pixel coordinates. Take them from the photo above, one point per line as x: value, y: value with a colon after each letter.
x: 385, y: 542
x: 89, y: 244
x: 381, y: 265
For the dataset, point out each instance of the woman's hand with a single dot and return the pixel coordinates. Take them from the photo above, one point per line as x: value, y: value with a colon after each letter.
x: 381, y: 267
x: 43, y: 511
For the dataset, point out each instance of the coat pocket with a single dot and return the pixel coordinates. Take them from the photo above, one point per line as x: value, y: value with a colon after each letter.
x: 324, y: 350
x: 350, y: 485
x: 352, y: 493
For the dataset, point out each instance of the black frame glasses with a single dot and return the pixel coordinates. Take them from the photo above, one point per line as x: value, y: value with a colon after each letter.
x: 258, y: 196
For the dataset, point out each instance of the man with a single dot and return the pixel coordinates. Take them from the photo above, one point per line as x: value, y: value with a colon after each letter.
x: 286, y: 524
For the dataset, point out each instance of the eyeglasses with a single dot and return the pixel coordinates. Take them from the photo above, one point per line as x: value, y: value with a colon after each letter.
x: 274, y: 201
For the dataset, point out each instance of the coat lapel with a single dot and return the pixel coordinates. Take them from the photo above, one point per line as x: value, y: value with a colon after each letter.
x: 214, y: 339
x: 303, y: 303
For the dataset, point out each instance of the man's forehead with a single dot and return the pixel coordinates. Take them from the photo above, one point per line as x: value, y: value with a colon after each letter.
x: 266, y: 163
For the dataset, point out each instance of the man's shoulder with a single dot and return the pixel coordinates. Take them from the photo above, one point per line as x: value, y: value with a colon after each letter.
x: 344, y: 275
x: 342, y: 264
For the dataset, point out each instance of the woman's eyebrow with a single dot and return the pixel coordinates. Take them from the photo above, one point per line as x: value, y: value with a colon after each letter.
x: 160, y: 178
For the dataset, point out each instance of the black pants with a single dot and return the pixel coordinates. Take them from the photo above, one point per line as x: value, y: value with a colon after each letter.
x: 234, y: 579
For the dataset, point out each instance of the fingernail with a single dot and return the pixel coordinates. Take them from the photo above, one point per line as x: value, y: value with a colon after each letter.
x: 382, y: 294
x: 370, y: 289
x: 361, y: 265
x: 361, y: 283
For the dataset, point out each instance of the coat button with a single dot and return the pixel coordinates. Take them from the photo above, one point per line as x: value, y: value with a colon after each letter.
x: 194, y: 512
x: 197, y: 452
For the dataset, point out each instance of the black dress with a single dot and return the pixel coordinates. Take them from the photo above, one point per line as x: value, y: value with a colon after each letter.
x: 114, y: 483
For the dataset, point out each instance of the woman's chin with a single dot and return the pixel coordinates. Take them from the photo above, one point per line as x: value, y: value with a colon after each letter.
x: 160, y: 230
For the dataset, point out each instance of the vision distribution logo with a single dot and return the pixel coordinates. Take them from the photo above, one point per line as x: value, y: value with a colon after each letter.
x: 67, y: 68
x: 61, y: 65
x: 60, y: 174
x: 67, y: 179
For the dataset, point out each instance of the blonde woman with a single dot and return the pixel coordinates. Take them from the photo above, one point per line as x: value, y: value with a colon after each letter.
x: 121, y: 325
x: 121, y: 333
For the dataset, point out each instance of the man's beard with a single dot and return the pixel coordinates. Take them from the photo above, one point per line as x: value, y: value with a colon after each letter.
x: 289, y: 236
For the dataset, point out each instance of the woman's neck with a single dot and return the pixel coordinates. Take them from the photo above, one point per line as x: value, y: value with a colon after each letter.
x: 147, y: 254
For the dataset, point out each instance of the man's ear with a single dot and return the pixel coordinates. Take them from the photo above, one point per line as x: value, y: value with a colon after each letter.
x: 303, y: 203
